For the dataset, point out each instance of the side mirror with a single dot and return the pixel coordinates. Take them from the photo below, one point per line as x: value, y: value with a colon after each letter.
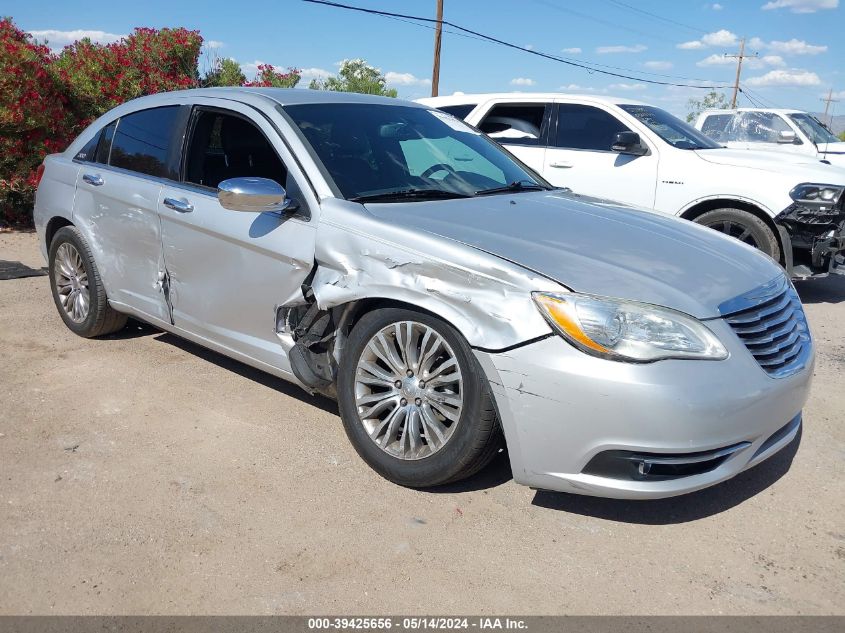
x: 254, y: 195
x: 786, y: 137
x: 629, y: 143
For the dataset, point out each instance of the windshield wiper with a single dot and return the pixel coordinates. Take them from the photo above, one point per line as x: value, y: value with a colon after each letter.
x: 410, y: 194
x: 516, y: 185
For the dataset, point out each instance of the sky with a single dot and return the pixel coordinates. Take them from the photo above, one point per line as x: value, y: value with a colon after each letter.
x: 799, y: 45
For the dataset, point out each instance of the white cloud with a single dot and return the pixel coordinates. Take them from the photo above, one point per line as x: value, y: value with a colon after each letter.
x: 658, y: 65
x: 722, y: 37
x: 791, y: 77
x: 573, y: 51
x: 716, y: 6
x: 627, y: 87
x: 522, y: 81
x: 748, y: 62
x: 638, y: 48
x: 405, y: 79
x: 795, y: 47
x: 213, y: 44
x: 59, y: 39
x: 694, y: 45
x: 313, y: 73
x: 577, y: 88
x: 801, y: 6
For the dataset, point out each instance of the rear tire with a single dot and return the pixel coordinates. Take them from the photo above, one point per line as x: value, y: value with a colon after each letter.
x: 77, y: 288
x: 744, y: 226
x: 416, y: 444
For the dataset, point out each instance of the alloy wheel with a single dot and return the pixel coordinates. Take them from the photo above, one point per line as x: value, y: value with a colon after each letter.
x: 409, y: 390
x: 71, y: 282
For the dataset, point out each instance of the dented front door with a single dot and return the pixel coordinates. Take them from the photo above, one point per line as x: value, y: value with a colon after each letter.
x: 228, y: 270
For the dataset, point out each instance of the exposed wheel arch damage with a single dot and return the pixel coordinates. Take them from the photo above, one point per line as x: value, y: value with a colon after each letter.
x: 485, y: 298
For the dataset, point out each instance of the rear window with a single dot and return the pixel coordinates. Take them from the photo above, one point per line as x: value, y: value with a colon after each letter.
x: 461, y: 111
x: 142, y: 142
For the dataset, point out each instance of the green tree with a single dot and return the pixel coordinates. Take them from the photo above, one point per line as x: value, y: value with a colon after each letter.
x: 355, y: 75
x: 225, y: 72
x: 269, y: 77
x: 712, y: 101
x: 842, y: 136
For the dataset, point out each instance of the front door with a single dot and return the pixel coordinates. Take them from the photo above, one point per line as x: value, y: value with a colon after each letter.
x: 579, y: 156
x: 228, y: 270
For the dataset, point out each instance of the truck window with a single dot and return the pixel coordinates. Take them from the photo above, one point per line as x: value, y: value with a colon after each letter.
x: 586, y: 127
x: 520, y: 124
x: 715, y: 124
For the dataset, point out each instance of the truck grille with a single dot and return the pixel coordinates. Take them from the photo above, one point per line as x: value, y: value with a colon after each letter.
x: 774, y: 330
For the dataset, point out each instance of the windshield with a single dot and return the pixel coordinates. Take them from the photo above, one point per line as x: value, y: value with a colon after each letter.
x: 671, y: 129
x: 395, y: 152
x: 813, y: 128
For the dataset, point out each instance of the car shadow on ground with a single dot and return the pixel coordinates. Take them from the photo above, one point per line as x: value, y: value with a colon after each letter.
x: 829, y: 289
x: 691, y: 507
x: 250, y: 373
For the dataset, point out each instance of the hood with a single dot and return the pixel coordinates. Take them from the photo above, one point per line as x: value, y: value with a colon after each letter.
x: 597, y: 247
x: 801, y: 166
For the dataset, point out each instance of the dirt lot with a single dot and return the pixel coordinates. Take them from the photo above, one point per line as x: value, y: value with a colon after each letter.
x: 142, y: 474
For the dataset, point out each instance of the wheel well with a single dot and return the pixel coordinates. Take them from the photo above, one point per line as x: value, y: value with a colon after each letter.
x: 726, y: 203
x: 54, y: 225
x: 363, y: 306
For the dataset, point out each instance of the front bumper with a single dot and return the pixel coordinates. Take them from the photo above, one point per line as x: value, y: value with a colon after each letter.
x: 813, y: 240
x: 563, y: 411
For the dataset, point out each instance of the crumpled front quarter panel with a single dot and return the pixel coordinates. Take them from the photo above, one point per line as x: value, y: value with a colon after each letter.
x: 486, y: 298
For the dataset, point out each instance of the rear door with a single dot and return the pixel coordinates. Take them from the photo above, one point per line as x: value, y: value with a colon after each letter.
x: 580, y: 157
x: 520, y: 126
x: 118, y: 189
x: 229, y: 270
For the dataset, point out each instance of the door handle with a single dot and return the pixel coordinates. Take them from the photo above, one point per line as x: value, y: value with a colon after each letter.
x: 561, y: 164
x: 93, y: 179
x: 180, y: 205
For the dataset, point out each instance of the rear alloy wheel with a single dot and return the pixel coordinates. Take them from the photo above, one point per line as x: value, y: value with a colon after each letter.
x: 414, y: 401
x: 78, y: 291
x: 745, y: 227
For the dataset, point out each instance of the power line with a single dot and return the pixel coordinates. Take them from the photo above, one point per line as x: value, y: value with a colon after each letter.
x: 656, y: 16
x: 592, y: 18
x: 511, y: 45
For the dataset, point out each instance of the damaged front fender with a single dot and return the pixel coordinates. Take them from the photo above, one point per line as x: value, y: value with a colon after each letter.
x: 484, y: 297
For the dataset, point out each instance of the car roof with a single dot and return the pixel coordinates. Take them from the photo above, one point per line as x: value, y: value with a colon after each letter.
x: 461, y: 98
x: 282, y: 96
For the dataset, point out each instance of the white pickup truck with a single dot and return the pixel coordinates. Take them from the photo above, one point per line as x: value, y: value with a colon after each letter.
x: 777, y: 130
x: 791, y: 207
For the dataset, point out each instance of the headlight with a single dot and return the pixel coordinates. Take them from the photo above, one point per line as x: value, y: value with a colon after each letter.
x: 627, y: 330
x: 820, y: 194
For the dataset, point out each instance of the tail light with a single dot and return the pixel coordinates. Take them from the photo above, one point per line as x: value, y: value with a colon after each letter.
x: 38, y: 174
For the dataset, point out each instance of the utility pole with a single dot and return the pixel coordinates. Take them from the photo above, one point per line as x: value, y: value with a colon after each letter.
x: 438, y: 36
x: 827, y: 103
x: 739, y: 59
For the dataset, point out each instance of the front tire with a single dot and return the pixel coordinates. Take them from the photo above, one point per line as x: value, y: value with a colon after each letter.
x: 78, y: 290
x: 414, y: 401
x: 744, y: 226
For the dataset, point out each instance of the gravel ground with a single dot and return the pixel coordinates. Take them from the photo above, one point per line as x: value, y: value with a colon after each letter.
x: 142, y: 474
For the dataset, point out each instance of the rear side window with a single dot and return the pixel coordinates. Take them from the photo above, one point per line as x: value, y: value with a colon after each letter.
x: 516, y: 124
x: 586, y: 127
x: 714, y: 125
x: 460, y: 111
x: 97, y: 149
x: 142, y: 142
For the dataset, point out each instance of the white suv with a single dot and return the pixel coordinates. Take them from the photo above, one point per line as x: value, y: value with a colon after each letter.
x: 791, y: 131
x: 791, y: 207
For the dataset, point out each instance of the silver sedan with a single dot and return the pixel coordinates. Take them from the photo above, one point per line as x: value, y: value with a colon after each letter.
x: 451, y: 300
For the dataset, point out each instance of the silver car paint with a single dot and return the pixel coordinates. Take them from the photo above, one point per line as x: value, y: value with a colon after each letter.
x: 474, y: 263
